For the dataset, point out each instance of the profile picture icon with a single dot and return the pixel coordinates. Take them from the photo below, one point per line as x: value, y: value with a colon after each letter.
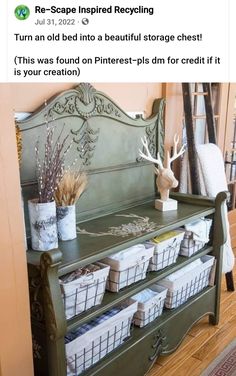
x: 22, y: 12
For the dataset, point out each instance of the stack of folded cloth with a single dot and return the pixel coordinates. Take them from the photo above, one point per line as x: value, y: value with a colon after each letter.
x: 91, y: 324
x: 144, y: 295
x: 200, y: 229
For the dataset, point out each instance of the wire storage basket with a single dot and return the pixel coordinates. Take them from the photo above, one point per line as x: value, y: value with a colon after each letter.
x: 187, y: 281
x: 84, y: 288
x: 150, y: 304
x: 166, y: 249
x: 128, y: 266
x: 195, y: 237
x: 94, y: 340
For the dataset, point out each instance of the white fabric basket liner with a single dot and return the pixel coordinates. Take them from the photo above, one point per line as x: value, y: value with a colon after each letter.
x: 166, y: 251
x: 207, y: 262
x: 129, y: 257
x: 196, y: 236
x: 190, y: 246
x: 151, y: 308
x: 84, y: 292
x: 87, y: 342
x: 127, y: 267
x: 160, y: 294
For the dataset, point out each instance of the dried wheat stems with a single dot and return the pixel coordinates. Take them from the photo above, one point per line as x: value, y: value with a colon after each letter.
x: 70, y: 188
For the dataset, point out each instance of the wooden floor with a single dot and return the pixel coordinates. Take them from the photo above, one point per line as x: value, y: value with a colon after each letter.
x: 203, y: 342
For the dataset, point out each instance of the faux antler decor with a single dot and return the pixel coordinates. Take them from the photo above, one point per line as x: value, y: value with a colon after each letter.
x: 165, y: 176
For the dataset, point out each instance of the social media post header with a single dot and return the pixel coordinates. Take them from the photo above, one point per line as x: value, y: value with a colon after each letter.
x: 119, y: 41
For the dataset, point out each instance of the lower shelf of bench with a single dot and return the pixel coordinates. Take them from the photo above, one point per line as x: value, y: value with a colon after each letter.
x: 163, y: 336
x: 137, y: 355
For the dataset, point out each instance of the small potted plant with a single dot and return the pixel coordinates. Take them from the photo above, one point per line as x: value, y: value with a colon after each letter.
x: 68, y: 191
x: 50, y: 166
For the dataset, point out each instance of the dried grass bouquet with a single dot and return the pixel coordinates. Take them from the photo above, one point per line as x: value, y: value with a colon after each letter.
x: 70, y: 188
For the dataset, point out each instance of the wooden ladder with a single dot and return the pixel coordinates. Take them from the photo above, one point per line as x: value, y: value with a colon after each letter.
x: 192, y: 152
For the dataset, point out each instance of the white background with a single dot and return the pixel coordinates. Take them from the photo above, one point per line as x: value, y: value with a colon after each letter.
x: 214, y: 19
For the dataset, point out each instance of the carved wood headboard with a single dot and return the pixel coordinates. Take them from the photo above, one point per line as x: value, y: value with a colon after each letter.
x: 105, y: 141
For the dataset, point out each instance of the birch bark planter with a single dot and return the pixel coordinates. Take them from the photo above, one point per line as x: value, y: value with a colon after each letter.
x: 43, y: 225
x: 66, y: 222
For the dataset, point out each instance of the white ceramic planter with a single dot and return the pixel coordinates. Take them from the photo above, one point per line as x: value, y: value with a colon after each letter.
x: 66, y: 222
x: 43, y: 225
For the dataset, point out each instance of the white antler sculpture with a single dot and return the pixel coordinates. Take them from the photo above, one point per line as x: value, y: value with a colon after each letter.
x: 148, y: 156
x: 165, y: 176
x: 175, y: 153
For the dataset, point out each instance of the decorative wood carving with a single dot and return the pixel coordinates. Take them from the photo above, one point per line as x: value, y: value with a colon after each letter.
x: 86, y: 93
x: 35, y: 285
x: 155, y: 134
x: 151, y: 140
x: 47, y: 266
x: 106, y: 108
x: 159, y: 345
x: 36, y: 349
x: 86, y: 140
x: 161, y: 134
x: 85, y: 103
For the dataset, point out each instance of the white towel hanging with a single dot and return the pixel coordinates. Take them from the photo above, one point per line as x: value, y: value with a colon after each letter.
x: 212, y: 181
x: 212, y: 169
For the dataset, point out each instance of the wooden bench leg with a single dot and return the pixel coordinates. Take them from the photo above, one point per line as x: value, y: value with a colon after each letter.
x: 229, y: 281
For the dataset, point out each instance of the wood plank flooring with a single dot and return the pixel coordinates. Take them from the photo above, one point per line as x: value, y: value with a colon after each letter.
x: 203, y: 343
